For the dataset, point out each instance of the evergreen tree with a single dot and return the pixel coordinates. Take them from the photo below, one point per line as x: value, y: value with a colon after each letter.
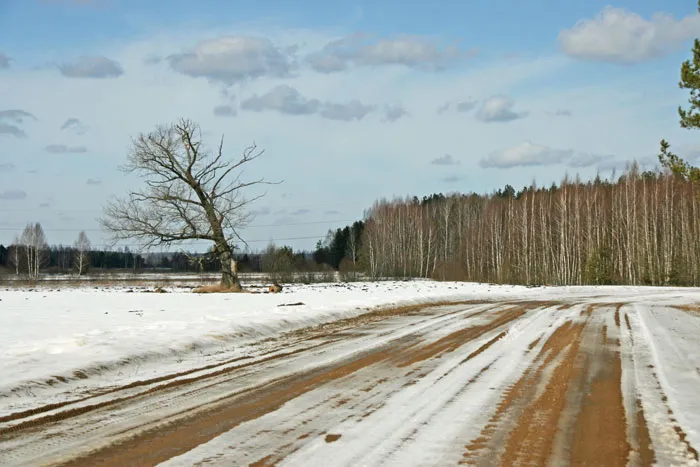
x: 690, y: 118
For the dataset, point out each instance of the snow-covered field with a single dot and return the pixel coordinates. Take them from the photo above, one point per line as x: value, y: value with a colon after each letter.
x: 407, y: 390
x: 116, y: 335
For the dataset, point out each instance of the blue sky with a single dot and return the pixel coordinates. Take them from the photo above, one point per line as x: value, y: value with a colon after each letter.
x: 352, y: 101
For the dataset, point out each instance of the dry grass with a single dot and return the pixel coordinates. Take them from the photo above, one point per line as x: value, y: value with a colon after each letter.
x: 693, y: 309
x: 218, y: 288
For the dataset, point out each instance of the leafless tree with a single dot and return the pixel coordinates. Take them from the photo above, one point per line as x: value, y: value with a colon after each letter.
x: 82, y: 253
x: 641, y: 228
x: 15, y: 254
x: 190, y: 194
x: 36, y: 247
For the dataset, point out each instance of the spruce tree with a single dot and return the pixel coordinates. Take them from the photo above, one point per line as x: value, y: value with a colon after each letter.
x: 689, y: 118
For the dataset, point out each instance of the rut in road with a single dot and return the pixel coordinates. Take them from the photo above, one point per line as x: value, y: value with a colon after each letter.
x: 475, y: 384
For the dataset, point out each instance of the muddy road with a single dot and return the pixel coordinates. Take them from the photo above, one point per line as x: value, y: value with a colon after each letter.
x: 578, y: 382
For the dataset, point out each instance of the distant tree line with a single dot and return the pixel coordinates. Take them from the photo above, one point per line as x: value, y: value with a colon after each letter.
x: 642, y: 229
x: 30, y: 254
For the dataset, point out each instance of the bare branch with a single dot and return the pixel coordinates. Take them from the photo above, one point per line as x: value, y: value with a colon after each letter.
x: 189, y: 193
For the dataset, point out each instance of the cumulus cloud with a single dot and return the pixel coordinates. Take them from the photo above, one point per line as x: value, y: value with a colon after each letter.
x: 620, y: 36
x: 13, y: 195
x: 12, y: 130
x: 91, y: 67
x: 287, y: 100
x: 452, y: 179
x: 232, y: 59
x: 352, y: 110
x: 4, y: 61
x: 447, y: 159
x: 93, y: 181
x: 525, y: 154
x: 225, y: 111
x: 74, y: 125
x: 499, y: 109
x: 63, y: 149
x: 394, y: 112
x: 16, y: 115
x: 410, y: 51
x: 284, y: 99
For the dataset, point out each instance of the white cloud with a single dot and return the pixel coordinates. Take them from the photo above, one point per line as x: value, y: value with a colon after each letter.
x: 499, y: 109
x: 352, y: 110
x: 232, y: 59
x: 620, y: 36
x: 409, y: 51
x: 74, y: 125
x: 16, y: 115
x: 287, y: 100
x: 394, y: 112
x: 447, y: 159
x: 12, y: 130
x: 459, y: 106
x: 284, y: 99
x: 91, y: 67
x: 525, y: 154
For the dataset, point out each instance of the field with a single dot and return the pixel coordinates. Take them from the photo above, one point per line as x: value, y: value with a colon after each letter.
x: 390, y: 373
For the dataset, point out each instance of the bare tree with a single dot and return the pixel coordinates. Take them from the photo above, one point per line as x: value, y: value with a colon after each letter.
x: 15, y: 254
x: 82, y: 256
x: 190, y: 194
x: 35, y: 246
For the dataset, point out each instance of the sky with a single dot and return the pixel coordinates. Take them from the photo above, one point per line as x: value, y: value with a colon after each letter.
x: 351, y: 101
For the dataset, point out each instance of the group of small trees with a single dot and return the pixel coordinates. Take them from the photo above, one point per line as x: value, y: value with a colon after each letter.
x: 29, y: 253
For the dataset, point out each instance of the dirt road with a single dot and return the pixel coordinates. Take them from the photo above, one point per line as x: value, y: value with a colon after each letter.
x: 477, y: 383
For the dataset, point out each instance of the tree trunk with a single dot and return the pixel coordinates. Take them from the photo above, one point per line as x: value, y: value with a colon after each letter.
x: 229, y: 275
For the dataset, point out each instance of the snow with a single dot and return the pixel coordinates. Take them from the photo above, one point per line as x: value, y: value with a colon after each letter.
x: 116, y: 335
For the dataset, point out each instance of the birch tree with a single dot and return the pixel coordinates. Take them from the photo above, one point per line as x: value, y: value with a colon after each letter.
x: 36, y: 247
x: 82, y: 253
